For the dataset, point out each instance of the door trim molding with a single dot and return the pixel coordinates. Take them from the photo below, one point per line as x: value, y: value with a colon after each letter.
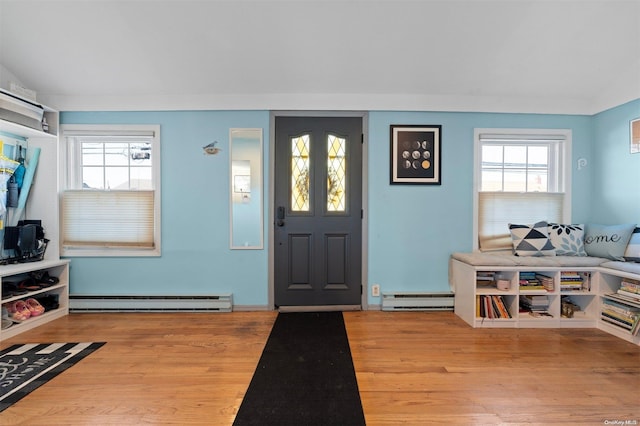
x: 364, y: 301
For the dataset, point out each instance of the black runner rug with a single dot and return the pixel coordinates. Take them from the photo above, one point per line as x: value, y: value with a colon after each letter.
x: 305, y: 375
x: 24, y: 368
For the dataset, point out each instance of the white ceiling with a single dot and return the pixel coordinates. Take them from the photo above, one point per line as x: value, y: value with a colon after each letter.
x: 478, y: 55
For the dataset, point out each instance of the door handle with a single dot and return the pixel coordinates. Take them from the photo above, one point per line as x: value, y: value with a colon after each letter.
x: 280, y: 216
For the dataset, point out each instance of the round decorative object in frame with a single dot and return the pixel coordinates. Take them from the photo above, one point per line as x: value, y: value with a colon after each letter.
x: 415, y: 154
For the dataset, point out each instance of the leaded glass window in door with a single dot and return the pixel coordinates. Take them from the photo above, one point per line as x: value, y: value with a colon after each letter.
x: 336, y: 174
x: 300, y: 173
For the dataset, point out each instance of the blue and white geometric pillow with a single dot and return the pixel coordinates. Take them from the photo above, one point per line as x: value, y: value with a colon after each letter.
x: 531, y: 240
x: 567, y: 239
x: 632, y: 253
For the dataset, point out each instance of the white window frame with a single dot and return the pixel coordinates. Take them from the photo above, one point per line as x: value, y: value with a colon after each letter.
x: 562, y: 161
x: 70, y: 171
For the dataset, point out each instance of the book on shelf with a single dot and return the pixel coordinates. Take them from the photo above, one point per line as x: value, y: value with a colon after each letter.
x: 575, y: 281
x: 546, y: 281
x: 619, y: 313
x: 498, y: 302
x: 571, y: 286
x: 620, y: 307
x: 624, y: 299
x: 485, y: 279
x: 633, y: 296
x: 540, y: 314
x: 535, y: 298
x: 616, y: 322
x: 630, y: 286
x: 491, y: 306
x: 533, y: 303
x: 618, y: 317
x: 531, y: 285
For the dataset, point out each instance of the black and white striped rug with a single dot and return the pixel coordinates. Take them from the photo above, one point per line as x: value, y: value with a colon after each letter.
x: 24, y: 368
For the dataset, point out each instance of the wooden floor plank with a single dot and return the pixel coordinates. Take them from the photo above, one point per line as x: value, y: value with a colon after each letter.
x: 413, y: 368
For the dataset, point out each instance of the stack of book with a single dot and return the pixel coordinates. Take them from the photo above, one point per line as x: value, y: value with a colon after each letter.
x: 536, y: 305
x: 485, y: 279
x: 624, y: 316
x: 629, y: 292
x: 491, y: 307
x: 530, y: 282
x: 630, y: 287
x: 571, y: 281
x: 547, y: 282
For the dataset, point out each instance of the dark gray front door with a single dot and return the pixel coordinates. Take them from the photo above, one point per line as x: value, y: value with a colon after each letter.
x: 318, y: 217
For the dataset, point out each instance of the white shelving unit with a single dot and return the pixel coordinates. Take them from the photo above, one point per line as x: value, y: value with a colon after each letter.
x: 467, y: 292
x: 598, y: 283
x: 610, y: 283
x: 42, y: 205
x: 17, y: 272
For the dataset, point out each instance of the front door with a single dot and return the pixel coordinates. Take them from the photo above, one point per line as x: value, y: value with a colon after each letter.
x: 318, y: 217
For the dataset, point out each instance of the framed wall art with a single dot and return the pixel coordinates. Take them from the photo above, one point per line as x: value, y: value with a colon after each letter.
x: 415, y: 154
x: 634, y: 130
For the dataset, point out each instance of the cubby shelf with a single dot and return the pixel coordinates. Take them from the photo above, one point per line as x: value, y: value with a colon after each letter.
x: 597, y: 283
x: 43, y: 206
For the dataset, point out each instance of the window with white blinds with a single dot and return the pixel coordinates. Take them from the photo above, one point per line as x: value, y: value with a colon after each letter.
x: 111, y: 205
x: 522, y: 177
x: 108, y: 219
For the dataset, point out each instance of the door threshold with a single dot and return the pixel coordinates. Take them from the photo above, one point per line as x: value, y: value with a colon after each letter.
x: 324, y: 308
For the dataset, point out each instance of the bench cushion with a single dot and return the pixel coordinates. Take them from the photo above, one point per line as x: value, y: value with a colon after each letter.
x: 631, y: 267
x: 508, y: 259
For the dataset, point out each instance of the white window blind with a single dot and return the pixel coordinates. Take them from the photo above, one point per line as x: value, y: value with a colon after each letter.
x: 523, y: 178
x: 111, y: 197
x: 121, y: 219
x: 497, y: 210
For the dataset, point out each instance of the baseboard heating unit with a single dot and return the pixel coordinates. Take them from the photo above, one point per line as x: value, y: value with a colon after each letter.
x: 442, y: 301
x: 214, y: 303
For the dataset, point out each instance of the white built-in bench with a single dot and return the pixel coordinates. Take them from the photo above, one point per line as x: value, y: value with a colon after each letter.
x: 604, y: 277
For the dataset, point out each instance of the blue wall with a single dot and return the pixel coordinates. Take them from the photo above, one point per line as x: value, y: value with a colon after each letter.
x: 412, y: 229
x: 196, y: 258
x: 615, y: 172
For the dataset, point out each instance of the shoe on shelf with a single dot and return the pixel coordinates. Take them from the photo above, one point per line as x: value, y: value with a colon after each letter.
x: 29, y: 284
x: 10, y: 289
x: 34, y: 307
x: 19, y: 310
x: 43, y: 278
x: 48, y: 301
x: 6, y: 321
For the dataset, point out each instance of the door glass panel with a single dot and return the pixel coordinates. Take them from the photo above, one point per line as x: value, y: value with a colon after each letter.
x: 300, y: 174
x: 336, y: 174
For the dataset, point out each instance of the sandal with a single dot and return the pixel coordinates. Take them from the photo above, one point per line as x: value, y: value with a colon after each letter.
x: 19, y: 310
x: 43, y: 278
x: 34, y: 307
x: 29, y: 284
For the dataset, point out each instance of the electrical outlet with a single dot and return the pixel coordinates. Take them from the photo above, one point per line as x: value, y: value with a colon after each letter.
x: 375, y: 290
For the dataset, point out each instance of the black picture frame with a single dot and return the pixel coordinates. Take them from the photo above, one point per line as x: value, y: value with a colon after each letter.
x: 416, y: 153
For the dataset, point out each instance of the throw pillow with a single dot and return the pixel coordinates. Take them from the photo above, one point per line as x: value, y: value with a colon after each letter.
x: 632, y: 252
x: 608, y: 241
x: 531, y: 240
x: 567, y: 239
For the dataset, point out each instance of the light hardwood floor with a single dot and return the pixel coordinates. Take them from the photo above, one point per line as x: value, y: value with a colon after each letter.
x: 413, y: 368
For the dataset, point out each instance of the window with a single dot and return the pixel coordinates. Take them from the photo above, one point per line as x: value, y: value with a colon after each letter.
x: 111, y: 198
x: 522, y: 176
